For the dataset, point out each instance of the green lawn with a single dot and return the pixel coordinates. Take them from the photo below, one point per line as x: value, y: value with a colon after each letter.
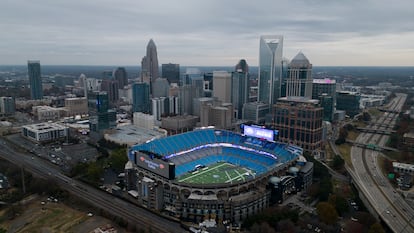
x: 217, y: 173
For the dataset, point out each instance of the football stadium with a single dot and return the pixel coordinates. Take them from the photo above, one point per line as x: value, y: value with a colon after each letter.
x: 209, y: 173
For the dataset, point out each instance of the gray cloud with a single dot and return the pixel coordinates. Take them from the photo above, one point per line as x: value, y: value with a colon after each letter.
x: 192, y: 32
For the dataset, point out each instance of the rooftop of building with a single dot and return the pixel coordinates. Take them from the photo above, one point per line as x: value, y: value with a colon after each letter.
x: 45, y: 126
x: 300, y: 59
x: 131, y: 135
x: 324, y: 81
x: 403, y: 166
x: 298, y: 99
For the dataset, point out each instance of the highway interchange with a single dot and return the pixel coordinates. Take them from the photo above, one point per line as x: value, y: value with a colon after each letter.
x: 366, y: 173
x: 131, y: 213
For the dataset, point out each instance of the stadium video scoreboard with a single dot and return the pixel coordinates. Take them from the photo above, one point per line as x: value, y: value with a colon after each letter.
x: 259, y: 132
x: 153, y: 164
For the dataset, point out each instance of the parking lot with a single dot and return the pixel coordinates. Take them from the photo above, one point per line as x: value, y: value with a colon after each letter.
x: 60, y: 154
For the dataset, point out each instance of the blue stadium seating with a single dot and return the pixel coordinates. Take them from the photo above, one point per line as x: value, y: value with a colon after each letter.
x: 260, y: 163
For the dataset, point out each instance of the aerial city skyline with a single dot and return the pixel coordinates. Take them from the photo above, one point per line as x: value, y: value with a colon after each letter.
x: 207, y: 116
x: 334, y: 34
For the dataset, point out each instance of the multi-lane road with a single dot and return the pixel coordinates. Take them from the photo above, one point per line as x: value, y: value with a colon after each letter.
x: 365, y: 171
x: 132, y: 214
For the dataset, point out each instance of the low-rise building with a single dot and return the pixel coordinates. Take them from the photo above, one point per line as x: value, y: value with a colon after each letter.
x: 45, y: 132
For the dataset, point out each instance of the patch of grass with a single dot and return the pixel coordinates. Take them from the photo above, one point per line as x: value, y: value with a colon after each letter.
x: 352, y: 135
x: 374, y: 112
x: 393, y: 155
x: 345, y: 150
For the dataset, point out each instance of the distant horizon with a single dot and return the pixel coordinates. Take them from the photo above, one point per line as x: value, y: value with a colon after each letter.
x: 205, y: 65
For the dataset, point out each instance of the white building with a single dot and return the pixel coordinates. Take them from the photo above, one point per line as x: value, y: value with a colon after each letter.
x: 44, y: 132
x: 47, y: 113
x: 143, y: 120
x: 222, y: 86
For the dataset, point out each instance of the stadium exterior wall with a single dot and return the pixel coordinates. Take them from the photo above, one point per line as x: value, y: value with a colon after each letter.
x: 196, y: 202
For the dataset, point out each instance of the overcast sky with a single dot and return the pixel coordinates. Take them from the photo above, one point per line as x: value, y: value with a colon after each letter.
x: 207, y: 32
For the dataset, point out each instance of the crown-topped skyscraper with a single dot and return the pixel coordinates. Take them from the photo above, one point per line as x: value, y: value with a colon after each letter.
x: 149, y: 65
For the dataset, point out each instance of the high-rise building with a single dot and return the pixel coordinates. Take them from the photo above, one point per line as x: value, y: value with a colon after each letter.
x: 7, y: 106
x: 111, y: 87
x: 100, y: 116
x: 242, y: 66
x: 325, y: 91
x: 164, y: 106
x: 299, y: 121
x: 141, y: 98
x: 149, y: 65
x: 327, y: 103
x: 222, y: 86
x: 171, y: 72
x: 160, y: 88
x: 349, y: 102
x: 255, y: 112
x: 35, y: 80
x: 121, y: 76
x: 240, y: 87
x: 270, y: 68
x: 299, y: 77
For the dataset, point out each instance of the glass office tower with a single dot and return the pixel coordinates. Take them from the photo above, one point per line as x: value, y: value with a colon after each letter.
x: 35, y: 80
x: 270, y: 68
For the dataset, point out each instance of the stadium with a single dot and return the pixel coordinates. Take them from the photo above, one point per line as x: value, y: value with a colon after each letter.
x: 209, y: 173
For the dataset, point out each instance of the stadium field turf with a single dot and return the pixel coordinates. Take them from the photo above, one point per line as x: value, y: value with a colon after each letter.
x: 221, y: 172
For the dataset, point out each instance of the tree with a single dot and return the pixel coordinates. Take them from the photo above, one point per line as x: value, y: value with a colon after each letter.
x: 376, y: 228
x: 338, y: 162
x: 327, y: 213
x: 94, y: 172
x: 118, y: 158
x: 340, y: 204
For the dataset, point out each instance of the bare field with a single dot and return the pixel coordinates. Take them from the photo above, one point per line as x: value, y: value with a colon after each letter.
x: 52, y: 217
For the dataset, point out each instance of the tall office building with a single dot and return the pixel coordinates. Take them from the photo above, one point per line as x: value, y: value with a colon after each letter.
x: 160, y: 88
x: 35, y: 80
x: 171, y: 72
x: 222, y: 86
x: 141, y: 98
x: 242, y: 66
x: 121, y: 76
x: 112, y: 88
x: 299, y: 121
x: 349, y: 102
x: 240, y: 87
x: 100, y: 116
x: 299, y: 77
x: 7, y: 106
x: 325, y: 91
x: 149, y: 65
x: 270, y: 68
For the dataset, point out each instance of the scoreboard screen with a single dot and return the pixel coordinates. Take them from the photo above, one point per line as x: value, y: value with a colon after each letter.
x: 259, y: 132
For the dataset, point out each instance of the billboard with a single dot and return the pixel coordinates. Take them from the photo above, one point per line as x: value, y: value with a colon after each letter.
x: 260, y: 132
x: 153, y: 164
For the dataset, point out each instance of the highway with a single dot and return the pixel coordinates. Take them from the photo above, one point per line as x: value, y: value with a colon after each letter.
x: 131, y: 213
x: 385, y: 200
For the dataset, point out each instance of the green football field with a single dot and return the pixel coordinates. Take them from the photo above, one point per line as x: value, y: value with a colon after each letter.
x: 217, y: 173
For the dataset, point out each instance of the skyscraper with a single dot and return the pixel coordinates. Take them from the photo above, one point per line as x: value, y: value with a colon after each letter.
x: 222, y: 86
x: 299, y: 121
x: 270, y: 68
x: 35, y: 80
x: 240, y: 87
x: 100, y: 116
x: 141, y: 98
x: 299, y: 77
x: 149, y: 64
x: 121, y: 76
x: 171, y: 72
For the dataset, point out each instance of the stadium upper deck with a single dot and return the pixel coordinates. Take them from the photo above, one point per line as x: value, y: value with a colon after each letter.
x: 208, y: 146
